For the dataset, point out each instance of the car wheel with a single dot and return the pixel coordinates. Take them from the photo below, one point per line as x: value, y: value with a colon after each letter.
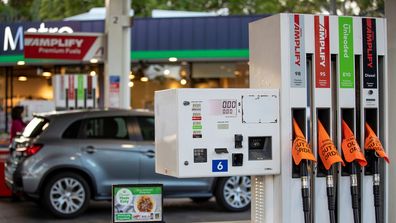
x: 200, y: 199
x: 66, y: 195
x: 233, y: 193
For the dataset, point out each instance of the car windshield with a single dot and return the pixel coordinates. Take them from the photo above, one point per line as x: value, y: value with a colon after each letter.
x: 36, y: 126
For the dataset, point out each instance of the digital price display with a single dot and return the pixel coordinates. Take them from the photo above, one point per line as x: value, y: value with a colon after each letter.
x: 223, y: 107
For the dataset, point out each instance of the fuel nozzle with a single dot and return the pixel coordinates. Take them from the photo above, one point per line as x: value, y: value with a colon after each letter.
x: 302, y: 153
x: 372, y: 142
x: 353, y: 154
x: 329, y: 156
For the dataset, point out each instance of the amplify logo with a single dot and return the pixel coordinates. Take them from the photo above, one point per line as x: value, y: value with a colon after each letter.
x: 297, y: 40
x: 369, y: 53
x: 322, y: 52
x: 369, y: 42
x: 322, y: 45
x: 297, y: 51
x: 53, y: 42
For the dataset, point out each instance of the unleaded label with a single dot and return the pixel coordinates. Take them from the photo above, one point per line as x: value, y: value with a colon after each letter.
x: 322, y: 52
x: 80, y: 87
x: 297, y: 57
x: 347, y: 73
x: 369, y: 53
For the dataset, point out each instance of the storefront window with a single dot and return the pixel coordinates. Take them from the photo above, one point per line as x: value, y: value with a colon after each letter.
x: 146, y: 78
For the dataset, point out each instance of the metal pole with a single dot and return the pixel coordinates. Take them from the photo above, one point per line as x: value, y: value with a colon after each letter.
x: 118, y: 48
x: 333, y: 7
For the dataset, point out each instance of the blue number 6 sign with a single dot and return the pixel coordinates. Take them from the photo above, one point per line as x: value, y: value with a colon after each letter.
x: 219, y: 165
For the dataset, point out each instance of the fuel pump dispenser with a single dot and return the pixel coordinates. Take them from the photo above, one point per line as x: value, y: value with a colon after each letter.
x: 317, y: 90
x: 302, y: 154
x: 330, y: 72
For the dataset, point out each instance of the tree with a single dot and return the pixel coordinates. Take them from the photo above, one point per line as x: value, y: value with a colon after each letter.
x: 59, y: 9
x: 32, y: 10
x: 7, y: 13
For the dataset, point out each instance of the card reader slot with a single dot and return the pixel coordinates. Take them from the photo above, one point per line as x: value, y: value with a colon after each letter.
x: 221, y: 150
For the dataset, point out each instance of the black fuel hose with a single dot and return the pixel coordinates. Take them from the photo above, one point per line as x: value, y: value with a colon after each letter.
x: 355, y: 192
x: 331, y: 195
x: 305, y: 191
x: 377, y: 192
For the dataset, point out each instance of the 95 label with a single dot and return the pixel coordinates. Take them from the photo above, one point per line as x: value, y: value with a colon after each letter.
x: 219, y: 165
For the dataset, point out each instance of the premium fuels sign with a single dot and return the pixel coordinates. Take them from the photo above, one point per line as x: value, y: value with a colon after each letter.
x: 76, y: 46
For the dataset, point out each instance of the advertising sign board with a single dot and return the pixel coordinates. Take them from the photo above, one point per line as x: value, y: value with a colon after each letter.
x: 137, y: 203
x: 71, y: 46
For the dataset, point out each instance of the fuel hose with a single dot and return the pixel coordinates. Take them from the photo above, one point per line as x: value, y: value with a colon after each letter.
x: 355, y: 192
x: 372, y: 143
x: 305, y: 191
x: 376, y: 192
x: 331, y: 195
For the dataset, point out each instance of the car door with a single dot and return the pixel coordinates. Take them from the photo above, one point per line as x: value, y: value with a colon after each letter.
x: 172, y: 186
x: 108, y: 153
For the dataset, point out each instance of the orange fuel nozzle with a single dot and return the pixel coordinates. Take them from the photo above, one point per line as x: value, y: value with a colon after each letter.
x: 350, y: 146
x: 301, y: 150
x: 372, y: 142
x: 326, y: 149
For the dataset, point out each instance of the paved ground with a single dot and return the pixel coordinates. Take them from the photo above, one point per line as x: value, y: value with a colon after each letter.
x: 176, y: 210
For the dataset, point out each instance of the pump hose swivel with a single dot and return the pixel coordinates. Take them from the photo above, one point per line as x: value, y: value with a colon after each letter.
x: 355, y: 192
x: 331, y: 199
x: 376, y: 192
x: 305, y: 191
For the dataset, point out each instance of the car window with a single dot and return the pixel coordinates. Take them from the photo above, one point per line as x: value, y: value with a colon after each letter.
x: 105, y: 128
x: 147, y: 129
x: 35, y: 127
x: 72, y: 131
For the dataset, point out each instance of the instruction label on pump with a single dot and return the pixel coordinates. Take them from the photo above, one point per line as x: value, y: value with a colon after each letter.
x: 297, y: 58
x: 322, y: 52
x: 345, y: 30
x: 219, y: 165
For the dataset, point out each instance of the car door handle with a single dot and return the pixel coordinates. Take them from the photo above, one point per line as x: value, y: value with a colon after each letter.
x: 89, y: 149
x: 150, y: 153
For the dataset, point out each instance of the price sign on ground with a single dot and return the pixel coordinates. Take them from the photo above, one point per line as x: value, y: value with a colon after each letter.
x: 137, y: 203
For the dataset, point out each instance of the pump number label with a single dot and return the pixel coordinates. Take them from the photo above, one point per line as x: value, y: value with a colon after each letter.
x: 219, y: 165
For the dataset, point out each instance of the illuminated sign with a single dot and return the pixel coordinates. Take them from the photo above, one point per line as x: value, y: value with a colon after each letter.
x: 12, y: 35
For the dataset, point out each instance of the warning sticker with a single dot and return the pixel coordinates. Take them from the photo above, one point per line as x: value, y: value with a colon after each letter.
x: 301, y: 149
x: 350, y: 147
x: 372, y: 142
x: 352, y: 152
x: 326, y: 149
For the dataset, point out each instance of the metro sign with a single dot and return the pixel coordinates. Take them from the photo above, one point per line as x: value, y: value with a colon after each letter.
x: 72, y: 46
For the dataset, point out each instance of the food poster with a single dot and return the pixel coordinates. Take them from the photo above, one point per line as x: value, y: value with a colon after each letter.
x: 137, y: 203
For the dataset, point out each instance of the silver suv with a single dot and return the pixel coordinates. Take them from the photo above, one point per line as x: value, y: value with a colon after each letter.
x: 64, y: 159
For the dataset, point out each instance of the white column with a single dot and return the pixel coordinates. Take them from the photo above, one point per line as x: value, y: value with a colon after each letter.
x: 390, y: 8
x: 117, y: 60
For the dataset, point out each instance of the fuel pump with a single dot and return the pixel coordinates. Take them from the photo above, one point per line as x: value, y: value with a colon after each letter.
x: 329, y: 156
x: 302, y: 154
x: 353, y: 155
x: 372, y: 142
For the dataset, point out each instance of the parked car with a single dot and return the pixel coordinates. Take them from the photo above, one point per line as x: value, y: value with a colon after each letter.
x: 64, y: 159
